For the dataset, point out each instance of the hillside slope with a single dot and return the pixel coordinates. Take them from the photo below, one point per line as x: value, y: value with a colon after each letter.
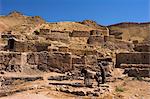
x: 131, y: 31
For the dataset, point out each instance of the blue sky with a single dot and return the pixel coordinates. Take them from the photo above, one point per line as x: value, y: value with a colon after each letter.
x: 104, y: 12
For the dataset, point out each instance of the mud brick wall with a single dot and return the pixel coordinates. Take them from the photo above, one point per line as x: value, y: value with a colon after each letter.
x: 82, y: 52
x: 59, y: 62
x: 91, y: 60
x: 95, y: 32
x: 44, y: 31
x: 10, y: 61
x: 28, y: 47
x: 95, y: 40
x: 142, y: 47
x: 79, y: 34
x: 57, y: 36
x: 99, y: 32
x: 2, y: 47
x: 87, y: 61
x: 63, y: 49
x: 78, y: 60
x: 132, y: 58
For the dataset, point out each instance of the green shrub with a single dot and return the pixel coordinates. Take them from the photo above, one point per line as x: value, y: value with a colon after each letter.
x: 119, y: 89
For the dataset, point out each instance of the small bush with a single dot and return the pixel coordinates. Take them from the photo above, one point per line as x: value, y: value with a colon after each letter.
x: 119, y: 89
x: 138, y: 78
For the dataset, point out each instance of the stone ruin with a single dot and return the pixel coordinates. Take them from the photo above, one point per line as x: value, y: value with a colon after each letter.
x: 47, y: 57
x: 136, y: 64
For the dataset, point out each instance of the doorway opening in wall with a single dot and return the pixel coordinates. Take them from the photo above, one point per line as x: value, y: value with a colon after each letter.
x: 11, y: 43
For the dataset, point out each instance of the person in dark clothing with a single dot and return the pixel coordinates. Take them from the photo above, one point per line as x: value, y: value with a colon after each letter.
x: 87, y: 76
x: 103, y: 73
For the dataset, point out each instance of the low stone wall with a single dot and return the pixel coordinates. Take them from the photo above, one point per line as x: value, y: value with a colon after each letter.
x: 78, y: 60
x: 63, y: 49
x: 132, y: 58
x: 135, y: 66
x: 59, y: 62
x: 96, y: 40
x: 142, y: 47
x: 95, y: 32
x: 44, y: 61
x: 57, y: 36
x: 82, y: 52
x: 79, y: 34
x: 29, y: 47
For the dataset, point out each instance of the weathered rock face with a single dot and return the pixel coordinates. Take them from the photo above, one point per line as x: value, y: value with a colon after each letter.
x: 131, y: 31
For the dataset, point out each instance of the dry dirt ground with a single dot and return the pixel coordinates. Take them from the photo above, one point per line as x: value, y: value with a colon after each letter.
x: 119, y: 87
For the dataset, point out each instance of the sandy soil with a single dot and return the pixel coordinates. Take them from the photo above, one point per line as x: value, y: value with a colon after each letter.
x: 121, y: 87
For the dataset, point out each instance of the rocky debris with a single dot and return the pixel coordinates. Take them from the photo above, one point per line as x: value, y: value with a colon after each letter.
x: 13, y: 68
x: 10, y: 62
x: 93, y: 24
x: 135, y: 72
x: 18, y: 80
x: 78, y: 93
x: 69, y: 84
x: 9, y: 92
x: 89, y: 92
x: 59, y: 78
